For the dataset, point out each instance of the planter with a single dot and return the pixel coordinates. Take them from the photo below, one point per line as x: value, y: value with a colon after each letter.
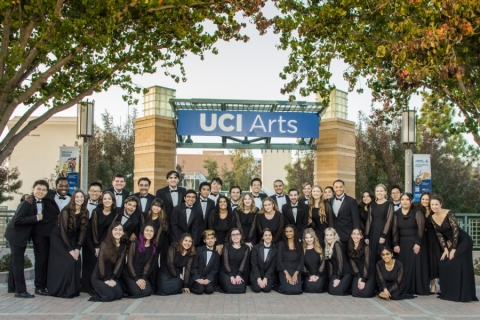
x: 29, y: 274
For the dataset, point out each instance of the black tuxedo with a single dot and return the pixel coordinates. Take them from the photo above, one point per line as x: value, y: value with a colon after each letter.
x: 166, y: 196
x: 302, y: 216
x: 347, y: 218
x: 150, y: 197
x: 179, y: 224
x: 302, y: 200
x: 125, y: 194
x: 274, y: 197
x: 210, y: 207
x: 202, y: 270
x: 263, y: 268
x: 132, y: 225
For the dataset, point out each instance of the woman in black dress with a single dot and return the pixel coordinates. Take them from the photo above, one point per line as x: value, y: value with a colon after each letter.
x: 433, y: 246
x: 364, y: 282
x: 456, y: 273
x: 174, y: 276
x: 264, y: 264
x: 389, y: 277
x: 270, y: 217
x: 290, y: 263
x: 364, y: 208
x: 246, y: 213
x: 320, y: 214
x: 222, y: 220
x: 66, y: 240
x: 315, y: 273
x: 340, y: 281
x: 378, y: 230
x: 110, y: 262
x: 102, y: 217
x: 328, y: 193
x: 231, y: 277
x: 409, y: 244
x: 140, y: 263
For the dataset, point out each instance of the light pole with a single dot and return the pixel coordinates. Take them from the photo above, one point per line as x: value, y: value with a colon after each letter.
x: 408, y: 138
x: 85, y: 129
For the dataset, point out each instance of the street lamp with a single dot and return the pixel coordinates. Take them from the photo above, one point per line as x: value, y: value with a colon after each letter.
x: 85, y: 129
x: 408, y: 138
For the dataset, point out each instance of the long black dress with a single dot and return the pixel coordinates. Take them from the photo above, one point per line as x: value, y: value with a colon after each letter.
x: 106, y: 270
x: 222, y: 226
x: 339, y: 269
x: 391, y: 280
x: 161, y: 248
x: 320, y: 227
x: 456, y: 276
x: 234, y: 263
x: 314, y: 266
x: 292, y: 261
x: 379, y: 225
x: 96, y: 233
x: 433, y: 248
x: 248, y: 222
x: 408, y: 231
x: 363, y: 218
x: 362, y: 269
x: 139, y: 266
x: 168, y: 278
x: 63, y: 279
x: 275, y: 224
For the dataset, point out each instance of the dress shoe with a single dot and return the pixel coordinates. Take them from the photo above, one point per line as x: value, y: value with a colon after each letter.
x: 42, y: 292
x: 24, y: 295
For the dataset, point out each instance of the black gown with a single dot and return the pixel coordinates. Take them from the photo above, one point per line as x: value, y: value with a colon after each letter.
x: 314, y: 266
x: 139, y: 266
x: 363, y: 218
x: 292, y: 261
x: 96, y: 233
x: 106, y: 270
x: 457, y: 279
x: 234, y: 263
x: 161, y: 248
x: 433, y: 248
x: 320, y: 227
x: 221, y: 226
x: 339, y: 269
x: 63, y: 278
x: 391, y: 280
x: 379, y: 225
x: 362, y: 269
x: 168, y: 278
x: 247, y: 222
x: 408, y: 230
x: 275, y: 224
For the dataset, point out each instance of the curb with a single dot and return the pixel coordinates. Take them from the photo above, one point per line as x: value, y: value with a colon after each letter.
x: 29, y: 274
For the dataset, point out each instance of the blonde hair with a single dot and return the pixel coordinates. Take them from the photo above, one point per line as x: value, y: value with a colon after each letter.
x: 241, y: 205
x: 275, y: 207
x: 381, y: 185
x: 328, y: 246
x: 316, y: 243
x: 208, y: 233
x: 321, y: 206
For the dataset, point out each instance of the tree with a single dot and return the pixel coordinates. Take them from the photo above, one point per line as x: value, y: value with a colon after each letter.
x: 244, y: 169
x: 54, y: 53
x: 9, y: 182
x: 301, y: 170
x: 212, y: 168
x: 401, y: 47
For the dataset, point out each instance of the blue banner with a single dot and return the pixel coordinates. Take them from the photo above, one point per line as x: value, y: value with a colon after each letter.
x: 248, y: 124
x: 73, y: 181
x: 422, y: 174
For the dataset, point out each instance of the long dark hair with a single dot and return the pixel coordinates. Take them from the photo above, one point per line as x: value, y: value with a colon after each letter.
x: 101, y: 206
x: 361, y: 204
x: 162, y: 218
x: 142, y: 240
x: 217, y: 207
x: 179, y: 245
x: 109, y: 246
x: 420, y: 205
x: 71, y: 208
x: 296, y: 238
x: 358, y: 253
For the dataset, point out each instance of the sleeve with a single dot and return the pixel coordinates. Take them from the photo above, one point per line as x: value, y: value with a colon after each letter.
x: 226, y: 262
x: 381, y: 284
x: 117, y: 271
x: 355, y: 269
x: 397, y: 283
x: 355, y: 214
x: 323, y: 265
x: 130, y: 260
x: 236, y: 223
x: 368, y: 224
x: 94, y: 221
x: 329, y: 213
x: 305, y: 218
x: 388, y: 222
x: 270, y: 272
x: 188, y: 269
x: 454, y: 224
x: 301, y: 262
x: 171, y: 261
x: 420, y: 218
x: 259, y: 227
x: 195, y: 266
x: 440, y: 237
x: 174, y: 230
x: 339, y: 256
x: 251, y: 235
x: 142, y: 221
x: 25, y: 215
x: 63, y: 226
x: 279, y: 232
x: 101, y: 263
x: 196, y: 227
x: 254, y: 263
x: 81, y: 236
x: 280, y: 265
x: 395, y: 233
x: 148, y: 268
x: 244, y: 262
x: 366, y: 264
x: 214, y: 270
x: 211, y: 220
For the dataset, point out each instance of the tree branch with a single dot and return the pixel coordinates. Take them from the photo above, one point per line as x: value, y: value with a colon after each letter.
x: 7, y: 22
x: 465, y: 93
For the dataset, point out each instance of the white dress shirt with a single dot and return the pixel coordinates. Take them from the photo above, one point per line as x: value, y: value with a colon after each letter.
x: 61, y: 203
x: 281, y: 200
x: 337, y: 202
x: 214, y: 197
x: 258, y: 201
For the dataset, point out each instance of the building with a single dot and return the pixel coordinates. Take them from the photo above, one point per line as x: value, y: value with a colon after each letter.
x: 195, y: 162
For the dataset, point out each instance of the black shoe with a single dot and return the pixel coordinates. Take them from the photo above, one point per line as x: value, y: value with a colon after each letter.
x: 24, y: 295
x: 42, y: 292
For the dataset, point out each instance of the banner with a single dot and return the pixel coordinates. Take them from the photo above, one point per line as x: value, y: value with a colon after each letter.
x: 68, y: 165
x: 422, y: 174
x: 248, y: 124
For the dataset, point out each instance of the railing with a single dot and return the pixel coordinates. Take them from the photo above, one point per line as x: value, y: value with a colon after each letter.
x: 5, y: 216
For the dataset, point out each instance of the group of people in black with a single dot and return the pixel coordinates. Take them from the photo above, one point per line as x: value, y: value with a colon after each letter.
x: 113, y: 244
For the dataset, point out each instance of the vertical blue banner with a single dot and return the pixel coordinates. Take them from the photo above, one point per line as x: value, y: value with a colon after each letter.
x: 422, y: 174
x: 73, y: 181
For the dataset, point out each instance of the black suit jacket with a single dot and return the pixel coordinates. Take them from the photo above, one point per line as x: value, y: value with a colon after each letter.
x: 165, y: 195
x: 132, y: 225
x: 179, y: 224
x: 347, y: 218
x: 274, y: 197
x: 210, y: 207
x: 125, y: 194
x: 302, y: 200
x: 19, y: 229
x: 50, y: 215
x: 150, y: 197
x: 202, y: 270
x: 302, y: 216
x: 260, y: 268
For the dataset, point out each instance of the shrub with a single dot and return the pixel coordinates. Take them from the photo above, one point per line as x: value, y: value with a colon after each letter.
x: 476, y: 265
x: 6, y: 260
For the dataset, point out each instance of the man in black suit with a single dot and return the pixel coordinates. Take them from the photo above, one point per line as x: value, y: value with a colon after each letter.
x: 145, y: 198
x: 345, y: 213
x: 205, y: 265
x: 94, y: 193
x: 306, y: 190
x: 204, y: 204
x: 129, y: 220
x: 279, y: 197
x: 186, y: 219
x: 172, y: 195
x: 215, y: 186
x: 117, y: 188
x: 29, y: 213
x: 235, y: 195
x: 256, y: 186
x: 294, y: 212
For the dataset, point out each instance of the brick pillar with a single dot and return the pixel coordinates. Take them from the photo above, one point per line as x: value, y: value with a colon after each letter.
x: 155, y: 150
x: 335, y: 154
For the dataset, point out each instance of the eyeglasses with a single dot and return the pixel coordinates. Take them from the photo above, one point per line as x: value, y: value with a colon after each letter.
x: 94, y: 191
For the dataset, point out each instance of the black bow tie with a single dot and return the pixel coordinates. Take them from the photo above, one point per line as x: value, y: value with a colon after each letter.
x: 171, y: 190
x: 39, y: 201
x: 187, y: 207
x: 256, y: 197
x: 61, y: 197
x: 126, y: 216
x: 339, y: 199
x: 92, y: 203
x: 118, y: 193
x: 266, y: 247
x: 280, y: 196
x: 143, y: 197
x: 201, y: 200
x: 294, y: 207
x: 234, y: 205
x: 208, y: 249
